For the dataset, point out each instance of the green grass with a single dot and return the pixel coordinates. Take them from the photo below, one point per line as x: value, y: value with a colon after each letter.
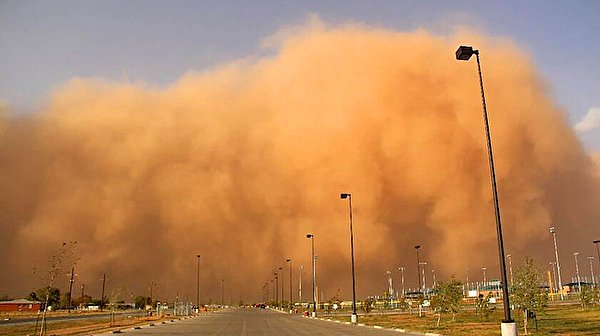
x: 74, y: 327
x: 566, y: 320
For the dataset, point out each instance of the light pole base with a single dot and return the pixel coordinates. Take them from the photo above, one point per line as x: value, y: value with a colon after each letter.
x: 509, y: 328
x: 353, y: 318
x: 314, y: 314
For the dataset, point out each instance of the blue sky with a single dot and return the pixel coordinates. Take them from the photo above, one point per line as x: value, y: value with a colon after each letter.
x: 44, y: 43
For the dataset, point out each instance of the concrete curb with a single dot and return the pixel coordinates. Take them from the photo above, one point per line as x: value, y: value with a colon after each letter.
x: 404, y: 331
x: 145, y: 326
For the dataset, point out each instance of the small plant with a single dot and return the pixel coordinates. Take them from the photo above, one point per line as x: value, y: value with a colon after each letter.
x: 482, y: 306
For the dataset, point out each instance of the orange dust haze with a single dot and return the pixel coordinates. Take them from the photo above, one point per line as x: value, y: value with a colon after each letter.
x: 238, y: 163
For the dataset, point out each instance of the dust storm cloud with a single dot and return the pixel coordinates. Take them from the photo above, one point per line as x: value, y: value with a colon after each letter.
x: 239, y: 162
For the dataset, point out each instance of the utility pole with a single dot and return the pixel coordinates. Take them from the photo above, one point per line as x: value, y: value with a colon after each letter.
x: 82, y: 292
x: 71, y: 288
x: 103, y: 286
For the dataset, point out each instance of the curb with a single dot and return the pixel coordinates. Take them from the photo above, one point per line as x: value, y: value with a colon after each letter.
x: 404, y: 331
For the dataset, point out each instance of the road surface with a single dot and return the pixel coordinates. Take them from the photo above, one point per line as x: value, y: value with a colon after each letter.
x: 252, y: 321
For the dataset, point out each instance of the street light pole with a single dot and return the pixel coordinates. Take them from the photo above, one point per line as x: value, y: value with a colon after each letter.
x: 577, y: 269
x: 291, y: 302
x: 423, y: 264
x: 223, y: 292
x: 509, y: 256
x: 276, y: 290
x: 314, y: 272
x: 467, y: 280
x: 71, y: 288
x: 103, y: 286
x: 354, y: 318
x: 591, y: 260
x: 282, y: 286
x: 597, y: 250
x: 418, y: 266
x: 555, y: 287
x: 484, y: 278
x: 508, y: 325
x: 198, y: 285
x: 553, y: 232
x: 402, y: 278
x: 390, y: 286
x: 301, y: 267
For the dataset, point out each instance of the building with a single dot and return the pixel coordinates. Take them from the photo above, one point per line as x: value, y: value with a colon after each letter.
x: 20, y: 305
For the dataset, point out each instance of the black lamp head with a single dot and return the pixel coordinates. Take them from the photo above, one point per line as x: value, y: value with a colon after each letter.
x: 463, y: 53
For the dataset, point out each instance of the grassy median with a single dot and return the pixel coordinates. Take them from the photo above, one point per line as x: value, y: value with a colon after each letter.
x: 558, y: 320
x: 80, y: 327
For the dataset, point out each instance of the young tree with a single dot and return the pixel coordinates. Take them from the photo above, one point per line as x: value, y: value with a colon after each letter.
x: 448, y: 298
x: 50, y: 295
x: 588, y: 296
x: 527, y: 294
x: 368, y: 304
x: 32, y: 297
x: 142, y: 301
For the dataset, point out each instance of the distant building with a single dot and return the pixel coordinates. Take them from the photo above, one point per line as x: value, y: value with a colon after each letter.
x: 20, y: 305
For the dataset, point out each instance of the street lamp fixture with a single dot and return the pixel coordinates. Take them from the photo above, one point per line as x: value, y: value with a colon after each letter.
x: 314, y: 272
x: 354, y: 317
x: 508, y: 325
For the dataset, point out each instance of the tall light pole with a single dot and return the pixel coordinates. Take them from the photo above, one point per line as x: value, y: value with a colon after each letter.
x: 508, y: 325
x: 223, y: 292
x: 71, y: 280
x: 273, y: 294
x: 198, y: 284
x: 509, y: 256
x: 354, y: 318
x: 402, y: 278
x: 553, y: 232
x: 289, y: 260
x: 467, y: 279
x: 300, y: 269
x: 433, y: 275
x: 276, y: 290
x: 282, y: 286
x: 597, y: 250
x: 484, y: 278
x: 314, y: 272
x: 553, y: 265
x: 423, y: 264
x: 390, y: 285
x: 103, y: 286
x: 577, y: 269
x: 591, y: 260
x: 418, y: 266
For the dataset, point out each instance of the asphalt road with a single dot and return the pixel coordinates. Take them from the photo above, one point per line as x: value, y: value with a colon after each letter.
x: 252, y: 321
